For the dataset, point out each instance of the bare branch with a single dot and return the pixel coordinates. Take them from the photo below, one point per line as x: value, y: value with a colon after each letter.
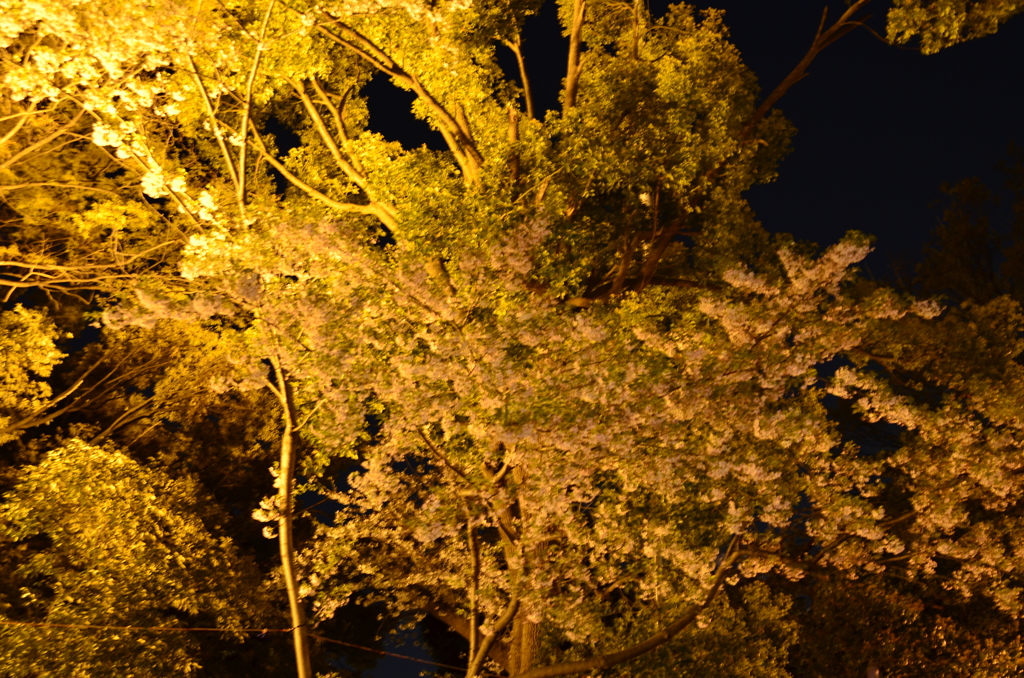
x: 822, y: 39
x: 371, y: 209
x: 339, y: 119
x: 35, y: 146
x: 575, y: 67
x: 516, y: 47
x: 22, y: 119
x: 354, y: 175
x: 214, y: 124
x: 247, y: 103
x: 55, y: 184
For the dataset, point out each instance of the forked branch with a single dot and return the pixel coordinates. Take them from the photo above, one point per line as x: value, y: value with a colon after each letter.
x: 516, y: 47
x: 373, y: 209
x: 457, y: 138
x: 822, y: 39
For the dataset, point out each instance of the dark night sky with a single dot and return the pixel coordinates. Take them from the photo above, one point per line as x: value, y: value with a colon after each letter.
x: 879, y: 127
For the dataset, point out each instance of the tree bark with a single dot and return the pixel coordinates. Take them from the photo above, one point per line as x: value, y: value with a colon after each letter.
x: 525, y: 641
x: 300, y: 629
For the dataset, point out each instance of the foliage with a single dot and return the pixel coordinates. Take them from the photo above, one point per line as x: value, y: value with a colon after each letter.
x: 907, y: 629
x: 947, y: 22
x: 29, y: 355
x: 96, y: 538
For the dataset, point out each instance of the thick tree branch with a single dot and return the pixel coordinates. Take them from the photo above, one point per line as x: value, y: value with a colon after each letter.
x: 284, y: 481
x: 491, y: 638
x: 458, y: 140
x: 575, y: 67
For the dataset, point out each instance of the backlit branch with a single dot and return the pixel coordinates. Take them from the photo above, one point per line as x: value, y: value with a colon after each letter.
x: 516, y: 47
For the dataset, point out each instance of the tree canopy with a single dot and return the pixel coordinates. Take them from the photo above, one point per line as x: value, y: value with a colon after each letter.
x: 552, y: 387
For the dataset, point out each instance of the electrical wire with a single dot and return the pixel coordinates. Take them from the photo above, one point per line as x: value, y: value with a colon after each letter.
x: 261, y: 631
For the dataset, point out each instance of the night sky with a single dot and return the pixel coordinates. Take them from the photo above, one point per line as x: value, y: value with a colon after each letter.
x: 879, y: 127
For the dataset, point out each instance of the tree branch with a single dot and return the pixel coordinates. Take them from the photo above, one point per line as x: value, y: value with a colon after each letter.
x: 22, y: 119
x: 642, y: 648
x: 31, y: 148
x: 575, y: 67
x: 339, y: 119
x: 284, y: 481
x: 214, y: 125
x: 461, y: 146
x: 516, y: 47
x: 822, y: 39
x: 372, y: 209
x: 497, y: 652
x: 246, y: 104
x: 491, y: 638
x: 354, y: 175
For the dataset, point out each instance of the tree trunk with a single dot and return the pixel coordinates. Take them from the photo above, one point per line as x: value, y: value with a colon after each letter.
x: 300, y: 630
x: 525, y: 641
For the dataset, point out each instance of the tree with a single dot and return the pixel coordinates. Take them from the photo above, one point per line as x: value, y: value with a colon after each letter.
x: 590, y: 398
x: 95, y: 538
x: 970, y: 257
